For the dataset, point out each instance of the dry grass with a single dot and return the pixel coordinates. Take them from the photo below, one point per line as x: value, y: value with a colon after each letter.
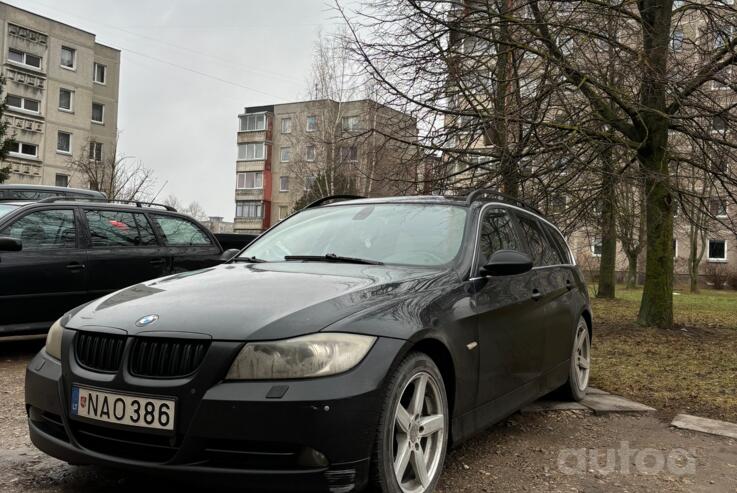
x: 691, y: 369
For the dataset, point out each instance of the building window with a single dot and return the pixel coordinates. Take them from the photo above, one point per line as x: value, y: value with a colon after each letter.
x: 18, y: 56
x: 284, y: 154
x: 283, y: 212
x: 717, y: 251
x: 675, y: 248
x: 62, y: 181
x: 68, y: 57
x: 349, y: 154
x: 250, y: 180
x: 596, y: 247
x: 23, y: 149
x: 718, y: 207
x: 98, y: 113
x: 350, y: 123
x: 253, y: 151
x: 286, y: 125
x: 95, y: 151
x: 21, y: 103
x: 676, y: 41
x: 310, y: 153
x: 66, y: 100
x: 253, y: 123
x: 64, y: 142
x: 99, y: 73
x: 283, y: 183
x: 718, y: 124
x: 249, y: 209
x: 311, y: 123
x: 310, y: 182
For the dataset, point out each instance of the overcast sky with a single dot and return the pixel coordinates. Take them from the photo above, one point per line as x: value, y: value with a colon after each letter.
x: 183, y: 124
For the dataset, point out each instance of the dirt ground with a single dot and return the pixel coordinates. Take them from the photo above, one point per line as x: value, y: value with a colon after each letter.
x: 555, y: 452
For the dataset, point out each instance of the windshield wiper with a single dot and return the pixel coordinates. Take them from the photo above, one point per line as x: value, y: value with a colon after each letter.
x: 253, y: 260
x: 331, y: 257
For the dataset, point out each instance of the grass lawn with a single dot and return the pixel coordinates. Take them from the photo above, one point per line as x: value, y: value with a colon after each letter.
x: 691, y: 369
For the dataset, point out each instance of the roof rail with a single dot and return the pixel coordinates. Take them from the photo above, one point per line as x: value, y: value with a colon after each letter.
x: 478, y: 194
x: 321, y: 201
x: 138, y: 203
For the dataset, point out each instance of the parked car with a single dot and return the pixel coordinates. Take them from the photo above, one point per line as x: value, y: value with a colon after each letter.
x: 352, y: 342
x: 234, y: 240
x: 56, y: 254
x: 39, y: 192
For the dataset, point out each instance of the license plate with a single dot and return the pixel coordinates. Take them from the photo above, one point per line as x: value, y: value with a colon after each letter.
x: 130, y: 410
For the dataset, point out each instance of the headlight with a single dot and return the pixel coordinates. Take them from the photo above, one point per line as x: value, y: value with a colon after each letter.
x: 314, y: 355
x: 53, y: 340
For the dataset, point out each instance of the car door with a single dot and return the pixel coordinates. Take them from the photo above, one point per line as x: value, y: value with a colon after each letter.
x: 550, y: 289
x: 189, y: 245
x: 509, y: 319
x: 48, y: 276
x: 122, y: 249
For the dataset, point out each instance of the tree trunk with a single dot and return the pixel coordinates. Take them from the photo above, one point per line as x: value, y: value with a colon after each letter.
x: 607, y: 265
x: 631, y: 282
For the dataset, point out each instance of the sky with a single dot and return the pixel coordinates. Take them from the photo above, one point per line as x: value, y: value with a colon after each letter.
x: 188, y: 68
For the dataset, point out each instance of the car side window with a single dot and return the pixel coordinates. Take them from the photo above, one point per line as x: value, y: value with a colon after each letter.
x: 540, y: 249
x: 119, y: 228
x: 496, y: 233
x: 559, y: 244
x: 180, y: 232
x: 45, y: 230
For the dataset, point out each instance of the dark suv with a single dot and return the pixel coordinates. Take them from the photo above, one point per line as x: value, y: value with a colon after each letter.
x: 353, y: 341
x: 58, y: 253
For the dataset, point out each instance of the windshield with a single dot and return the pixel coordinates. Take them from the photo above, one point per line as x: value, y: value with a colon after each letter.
x: 411, y: 234
x: 5, y: 208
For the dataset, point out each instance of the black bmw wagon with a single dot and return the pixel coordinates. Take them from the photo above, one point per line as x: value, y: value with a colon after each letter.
x: 352, y: 343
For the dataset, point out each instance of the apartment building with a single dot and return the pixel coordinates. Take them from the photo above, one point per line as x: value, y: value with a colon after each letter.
x: 61, y: 90
x: 287, y: 150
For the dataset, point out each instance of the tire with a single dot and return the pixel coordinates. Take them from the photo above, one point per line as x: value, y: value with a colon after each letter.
x: 401, y: 431
x: 580, y: 367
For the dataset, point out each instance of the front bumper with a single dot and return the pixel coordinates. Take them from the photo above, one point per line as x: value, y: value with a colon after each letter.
x: 317, y: 436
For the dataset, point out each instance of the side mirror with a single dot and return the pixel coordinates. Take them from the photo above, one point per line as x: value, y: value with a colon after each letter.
x: 8, y: 244
x: 507, y: 263
x: 228, y: 254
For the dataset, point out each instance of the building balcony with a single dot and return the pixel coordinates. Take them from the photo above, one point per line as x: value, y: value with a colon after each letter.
x: 254, y: 136
x: 249, y: 194
x: 241, y: 166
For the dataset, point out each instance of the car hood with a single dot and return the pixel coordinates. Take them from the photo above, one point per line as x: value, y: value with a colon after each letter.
x: 253, y: 301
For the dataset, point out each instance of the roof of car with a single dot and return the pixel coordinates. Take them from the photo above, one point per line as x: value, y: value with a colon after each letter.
x: 413, y: 199
x: 75, y: 201
x: 50, y: 188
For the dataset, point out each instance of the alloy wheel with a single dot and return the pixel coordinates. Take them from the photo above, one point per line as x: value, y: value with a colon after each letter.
x: 582, y: 354
x: 419, y: 433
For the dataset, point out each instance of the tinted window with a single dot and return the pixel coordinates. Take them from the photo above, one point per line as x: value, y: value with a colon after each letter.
x: 540, y: 249
x: 117, y: 228
x: 559, y: 244
x: 496, y: 233
x: 44, y: 230
x: 179, y: 231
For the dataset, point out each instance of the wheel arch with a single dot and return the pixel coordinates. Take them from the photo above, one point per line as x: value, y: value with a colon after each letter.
x: 586, y: 314
x: 441, y: 356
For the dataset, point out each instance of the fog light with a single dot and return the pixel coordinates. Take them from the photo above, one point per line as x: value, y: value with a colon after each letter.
x: 309, y: 457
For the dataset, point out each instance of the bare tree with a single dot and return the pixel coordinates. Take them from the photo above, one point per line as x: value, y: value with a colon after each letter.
x: 119, y: 177
x: 194, y: 209
x: 636, y: 76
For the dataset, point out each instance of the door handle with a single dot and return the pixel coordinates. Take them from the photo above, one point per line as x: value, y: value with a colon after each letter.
x: 536, y: 295
x: 569, y: 284
x: 157, y: 261
x: 75, y: 266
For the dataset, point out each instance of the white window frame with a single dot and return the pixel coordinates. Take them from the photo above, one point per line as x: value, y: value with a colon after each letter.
x: 257, y: 204
x: 309, y: 128
x: 93, y: 146
x: 281, y: 183
x: 71, y: 101
x: 594, y: 243
x: 288, y: 122
x: 57, y: 175
x: 721, y: 203
x: 99, y: 122
x: 282, y: 150
x: 256, y: 117
x: 95, y: 65
x: 717, y: 259
x: 68, y: 152
x: 246, y: 145
x: 279, y: 210
x: 680, y: 36
x: 258, y: 180
x: 308, y: 158
x: 22, y: 106
x: 351, y: 123
x: 20, y: 154
x: 675, y: 247
x: 25, y: 63
x: 74, y: 58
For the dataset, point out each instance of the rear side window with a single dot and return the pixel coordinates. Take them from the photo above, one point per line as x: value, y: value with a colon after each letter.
x: 496, y: 233
x: 559, y: 243
x: 44, y: 230
x: 540, y: 249
x: 180, y: 232
x: 118, y: 228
